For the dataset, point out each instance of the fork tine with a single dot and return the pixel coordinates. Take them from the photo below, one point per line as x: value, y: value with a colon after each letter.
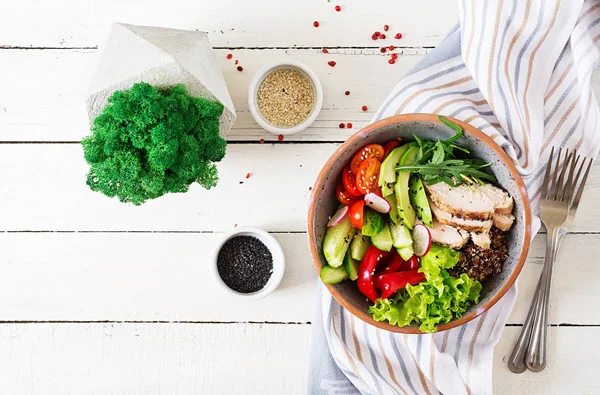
x: 554, y: 188
x: 546, y: 183
x: 571, y: 181
x: 577, y: 197
x: 562, y: 187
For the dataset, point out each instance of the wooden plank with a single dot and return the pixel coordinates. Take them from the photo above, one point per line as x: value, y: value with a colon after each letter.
x: 43, y: 94
x: 230, y: 23
x: 223, y: 359
x: 43, y: 188
x: 167, y: 277
x: 153, y: 359
x: 572, y: 363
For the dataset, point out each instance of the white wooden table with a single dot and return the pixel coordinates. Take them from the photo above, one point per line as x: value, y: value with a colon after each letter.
x: 98, y: 297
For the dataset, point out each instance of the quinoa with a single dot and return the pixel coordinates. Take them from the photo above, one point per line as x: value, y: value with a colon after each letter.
x: 481, y: 263
x: 285, y: 97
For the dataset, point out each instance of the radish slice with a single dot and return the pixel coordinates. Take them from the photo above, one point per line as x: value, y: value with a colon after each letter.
x: 338, y: 217
x: 377, y: 203
x: 421, y: 240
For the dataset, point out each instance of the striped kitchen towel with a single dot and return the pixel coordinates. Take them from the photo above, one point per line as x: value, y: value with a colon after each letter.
x: 520, y: 71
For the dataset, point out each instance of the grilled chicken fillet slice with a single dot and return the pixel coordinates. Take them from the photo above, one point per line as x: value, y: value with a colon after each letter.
x: 503, y: 221
x: 462, y: 201
x: 472, y: 225
x: 448, y: 236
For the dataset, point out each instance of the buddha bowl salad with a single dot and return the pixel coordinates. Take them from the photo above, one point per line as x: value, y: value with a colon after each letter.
x: 420, y: 227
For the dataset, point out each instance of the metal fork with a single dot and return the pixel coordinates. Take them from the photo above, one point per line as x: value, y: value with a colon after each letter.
x: 557, y: 210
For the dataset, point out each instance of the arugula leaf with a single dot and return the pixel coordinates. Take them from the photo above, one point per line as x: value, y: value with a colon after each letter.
x: 436, y: 161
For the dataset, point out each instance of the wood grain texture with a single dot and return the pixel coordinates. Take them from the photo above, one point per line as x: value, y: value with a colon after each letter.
x: 168, y: 277
x: 43, y: 95
x: 228, y: 359
x: 43, y: 188
x: 230, y: 23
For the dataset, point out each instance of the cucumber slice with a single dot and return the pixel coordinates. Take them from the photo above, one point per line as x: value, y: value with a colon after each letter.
x: 372, y: 222
x: 336, y: 242
x: 383, y: 240
x: 351, y: 266
x: 405, y: 252
x: 400, y: 235
x: 394, y: 208
x: 359, y: 246
x: 419, y: 201
x: 333, y: 275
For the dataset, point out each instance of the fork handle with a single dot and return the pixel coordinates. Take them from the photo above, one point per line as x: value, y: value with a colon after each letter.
x: 536, y: 353
x: 516, y: 362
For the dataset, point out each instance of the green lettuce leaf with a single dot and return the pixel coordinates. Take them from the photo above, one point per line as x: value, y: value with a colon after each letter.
x: 436, y: 300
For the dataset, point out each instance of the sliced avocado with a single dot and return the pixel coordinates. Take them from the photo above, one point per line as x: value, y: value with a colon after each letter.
x: 383, y: 240
x: 393, y: 208
x: 400, y: 235
x: 387, y: 173
x: 405, y: 209
x: 333, y: 275
x: 405, y: 252
x: 351, y: 266
x: 359, y: 246
x: 336, y: 242
x: 373, y: 222
x: 418, y: 197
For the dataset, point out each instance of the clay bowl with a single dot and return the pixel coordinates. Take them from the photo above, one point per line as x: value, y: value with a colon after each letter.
x: 323, y: 203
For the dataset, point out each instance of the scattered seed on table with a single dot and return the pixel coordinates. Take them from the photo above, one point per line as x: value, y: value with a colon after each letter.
x: 374, y: 37
x: 229, y: 56
x: 280, y: 137
x: 377, y: 34
x: 392, y: 47
x: 342, y: 125
x: 248, y: 175
x: 235, y: 226
x: 391, y: 61
x: 382, y: 50
x: 240, y: 68
x: 236, y: 61
x: 316, y: 23
x: 383, y: 36
x: 324, y: 50
x: 262, y: 141
x: 386, y: 28
x: 245, y: 264
x: 398, y: 36
x: 331, y: 63
x: 394, y: 56
x: 241, y: 182
x: 349, y: 125
x: 338, y: 8
x: 285, y: 98
x: 347, y: 93
x: 364, y: 108
x: 310, y: 188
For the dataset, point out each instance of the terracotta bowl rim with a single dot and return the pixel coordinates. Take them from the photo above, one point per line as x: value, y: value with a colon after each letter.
x: 468, y: 129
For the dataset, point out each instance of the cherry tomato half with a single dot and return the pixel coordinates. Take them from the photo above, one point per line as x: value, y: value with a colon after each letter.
x: 391, y: 145
x: 368, y: 175
x: 370, y: 151
x: 344, y: 197
x: 356, y: 214
x: 349, y: 181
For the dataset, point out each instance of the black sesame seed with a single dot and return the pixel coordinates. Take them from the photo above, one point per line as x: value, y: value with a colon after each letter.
x: 245, y: 264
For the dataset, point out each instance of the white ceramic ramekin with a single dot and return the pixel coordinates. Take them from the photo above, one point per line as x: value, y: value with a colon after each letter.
x: 258, y: 79
x: 278, y: 262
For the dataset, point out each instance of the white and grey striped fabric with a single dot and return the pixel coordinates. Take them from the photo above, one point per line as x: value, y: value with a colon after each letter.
x: 520, y: 71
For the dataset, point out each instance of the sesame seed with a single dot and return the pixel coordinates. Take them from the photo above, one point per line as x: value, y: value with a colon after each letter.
x: 285, y: 97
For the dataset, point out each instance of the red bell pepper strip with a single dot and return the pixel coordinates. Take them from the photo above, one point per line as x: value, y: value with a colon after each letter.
x: 366, y: 272
x: 412, y: 263
x: 395, y: 264
x: 392, y: 282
